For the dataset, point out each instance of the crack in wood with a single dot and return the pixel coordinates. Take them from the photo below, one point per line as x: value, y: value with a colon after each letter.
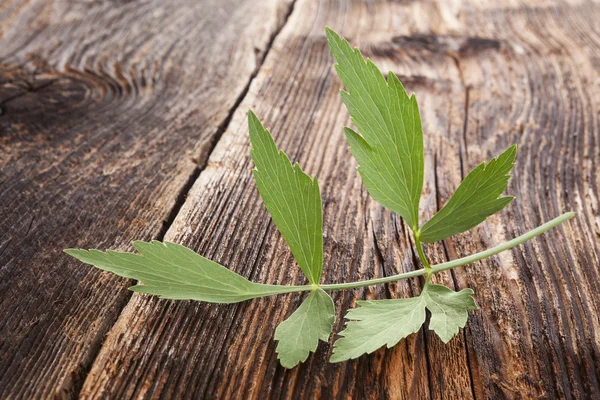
x: 181, y: 197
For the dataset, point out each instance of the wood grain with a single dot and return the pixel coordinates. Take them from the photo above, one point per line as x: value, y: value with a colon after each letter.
x: 108, y: 111
x: 540, y: 304
x: 486, y: 76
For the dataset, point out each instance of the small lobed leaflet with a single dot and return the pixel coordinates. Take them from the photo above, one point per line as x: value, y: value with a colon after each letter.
x: 389, y: 151
x: 448, y: 309
x: 291, y: 197
x: 378, y: 323
x: 300, y: 333
x: 294, y: 202
x: 173, y: 271
x: 475, y: 199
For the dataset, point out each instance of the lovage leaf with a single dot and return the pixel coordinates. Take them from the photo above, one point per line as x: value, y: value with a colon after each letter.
x: 449, y: 309
x: 173, y: 271
x: 390, y: 150
x: 475, y: 199
x: 385, y: 322
x: 300, y: 333
x: 377, y: 323
x: 291, y: 197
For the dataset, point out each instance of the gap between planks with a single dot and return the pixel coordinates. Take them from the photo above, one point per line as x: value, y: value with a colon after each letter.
x: 181, y: 197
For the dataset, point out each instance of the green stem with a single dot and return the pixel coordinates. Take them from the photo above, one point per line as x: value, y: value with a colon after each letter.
x: 455, y: 263
x: 421, y: 252
x: 280, y: 289
x: 371, y: 282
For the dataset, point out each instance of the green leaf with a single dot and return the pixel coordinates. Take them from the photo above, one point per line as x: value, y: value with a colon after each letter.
x: 172, y: 271
x: 390, y: 150
x: 300, y: 333
x: 385, y: 322
x: 377, y: 323
x: 449, y: 309
x: 291, y: 197
x: 475, y: 199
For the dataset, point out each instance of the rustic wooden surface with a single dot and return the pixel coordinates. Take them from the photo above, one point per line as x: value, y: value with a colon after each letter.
x: 126, y: 120
x: 108, y: 112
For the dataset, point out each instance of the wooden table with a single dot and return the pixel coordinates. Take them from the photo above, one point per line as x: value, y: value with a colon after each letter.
x: 124, y: 120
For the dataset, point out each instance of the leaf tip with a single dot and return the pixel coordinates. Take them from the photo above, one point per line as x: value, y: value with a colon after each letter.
x: 71, y: 252
x: 331, y: 34
x: 286, y: 364
x: 445, y: 339
x: 79, y: 254
x: 139, y: 244
x: 510, y: 154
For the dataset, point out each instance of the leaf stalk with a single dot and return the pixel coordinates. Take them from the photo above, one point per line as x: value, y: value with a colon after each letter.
x: 424, y: 260
x: 455, y: 263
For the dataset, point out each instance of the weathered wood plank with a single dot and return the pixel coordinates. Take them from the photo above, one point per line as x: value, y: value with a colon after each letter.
x: 528, y: 70
x: 485, y: 76
x: 107, y: 109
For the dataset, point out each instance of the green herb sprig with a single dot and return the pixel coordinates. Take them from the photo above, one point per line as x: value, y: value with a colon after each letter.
x: 389, y: 150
